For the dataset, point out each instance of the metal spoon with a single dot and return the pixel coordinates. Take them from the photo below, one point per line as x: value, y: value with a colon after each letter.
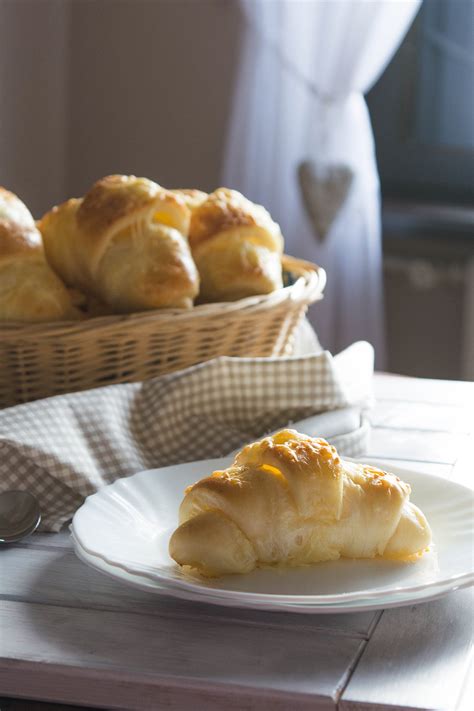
x: 20, y: 515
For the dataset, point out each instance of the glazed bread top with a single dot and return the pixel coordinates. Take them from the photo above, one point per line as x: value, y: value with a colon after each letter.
x: 289, y: 499
x: 117, y: 201
x: 19, y: 239
x: 191, y: 196
x: 228, y: 211
x: 14, y: 210
x: 126, y: 243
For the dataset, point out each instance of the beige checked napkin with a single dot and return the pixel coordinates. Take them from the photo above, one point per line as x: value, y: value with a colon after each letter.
x: 64, y: 448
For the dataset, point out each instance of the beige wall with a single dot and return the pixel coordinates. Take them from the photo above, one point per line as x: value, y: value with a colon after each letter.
x: 91, y: 87
x: 154, y: 84
x: 33, y: 77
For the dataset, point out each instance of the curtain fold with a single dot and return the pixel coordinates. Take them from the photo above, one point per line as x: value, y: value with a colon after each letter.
x: 299, y: 97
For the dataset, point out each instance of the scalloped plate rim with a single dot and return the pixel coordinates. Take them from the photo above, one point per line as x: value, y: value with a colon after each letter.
x: 148, y: 585
x: 181, y: 582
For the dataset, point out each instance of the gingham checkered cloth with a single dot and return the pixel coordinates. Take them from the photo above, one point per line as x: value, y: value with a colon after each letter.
x: 64, y: 448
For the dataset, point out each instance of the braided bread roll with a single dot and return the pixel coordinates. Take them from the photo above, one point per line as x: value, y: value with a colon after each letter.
x: 126, y: 243
x: 289, y: 499
x: 29, y: 289
x: 236, y: 245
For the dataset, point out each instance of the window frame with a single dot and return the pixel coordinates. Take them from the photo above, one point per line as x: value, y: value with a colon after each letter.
x: 408, y: 167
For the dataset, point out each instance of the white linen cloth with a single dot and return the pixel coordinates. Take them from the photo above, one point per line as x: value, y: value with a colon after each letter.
x: 64, y: 448
x: 299, y: 96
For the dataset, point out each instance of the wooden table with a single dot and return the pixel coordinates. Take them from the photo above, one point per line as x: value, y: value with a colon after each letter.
x: 71, y: 635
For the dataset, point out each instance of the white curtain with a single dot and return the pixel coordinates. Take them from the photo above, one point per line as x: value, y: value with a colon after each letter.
x: 305, y: 65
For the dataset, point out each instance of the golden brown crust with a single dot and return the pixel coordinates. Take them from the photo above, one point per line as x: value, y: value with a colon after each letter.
x: 385, y: 480
x: 288, y: 449
x: 61, y: 240
x: 192, y: 197
x: 114, y: 202
x: 310, y: 466
x: 235, y: 548
x: 225, y: 209
x: 29, y: 289
x: 309, y: 470
x: 290, y: 499
x: 12, y: 208
x: 125, y: 242
x: 113, y: 198
x: 154, y: 269
x: 237, y: 247
x: 49, y: 218
x: 17, y: 239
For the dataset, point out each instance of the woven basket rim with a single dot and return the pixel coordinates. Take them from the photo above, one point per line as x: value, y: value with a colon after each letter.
x: 307, y: 288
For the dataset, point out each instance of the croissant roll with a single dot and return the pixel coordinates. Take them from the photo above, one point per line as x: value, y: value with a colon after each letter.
x: 289, y: 499
x: 126, y: 243
x: 237, y: 247
x: 29, y: 289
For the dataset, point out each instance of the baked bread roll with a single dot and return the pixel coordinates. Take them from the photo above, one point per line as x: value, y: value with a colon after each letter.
x: 237, y: 247
x: 29, y: 289
x: 126, y: 243
x: 289, y: 499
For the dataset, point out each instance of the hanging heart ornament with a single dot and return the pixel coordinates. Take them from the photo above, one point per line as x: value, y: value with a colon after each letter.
x: 324, y: 189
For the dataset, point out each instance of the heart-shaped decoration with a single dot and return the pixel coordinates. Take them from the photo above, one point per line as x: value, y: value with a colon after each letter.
x: 324, y: 189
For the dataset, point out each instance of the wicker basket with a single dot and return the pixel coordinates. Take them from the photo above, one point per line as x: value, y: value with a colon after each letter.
x: 40, y: 360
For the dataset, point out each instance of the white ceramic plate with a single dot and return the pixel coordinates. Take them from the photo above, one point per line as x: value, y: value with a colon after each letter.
x: 126, y: 528
x: 149, y: 585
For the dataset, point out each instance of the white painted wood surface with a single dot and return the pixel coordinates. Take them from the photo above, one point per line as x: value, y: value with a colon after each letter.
x: 158, y: 654
x: 54, y: 577
x: 417, y: 657
x: 69, y: 634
